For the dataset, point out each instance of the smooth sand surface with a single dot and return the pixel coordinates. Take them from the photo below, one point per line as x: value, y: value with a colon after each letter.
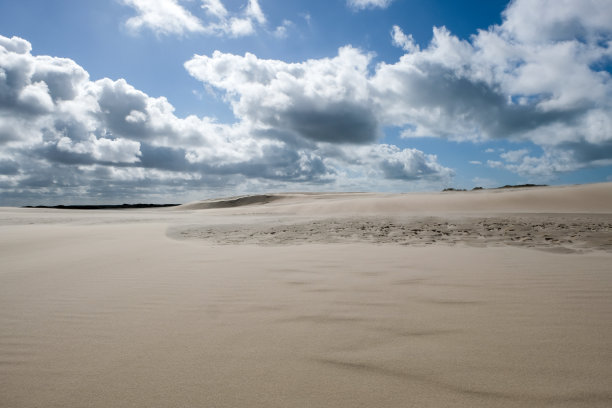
x: 476, y: 299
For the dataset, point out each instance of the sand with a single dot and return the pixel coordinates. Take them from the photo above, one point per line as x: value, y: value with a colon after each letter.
x: 476, y: 299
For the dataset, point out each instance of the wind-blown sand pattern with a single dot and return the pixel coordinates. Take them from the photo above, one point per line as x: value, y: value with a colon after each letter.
x: 476, y: 299
x: 562, y: 233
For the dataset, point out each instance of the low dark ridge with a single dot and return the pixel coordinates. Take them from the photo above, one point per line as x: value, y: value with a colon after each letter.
x: 523, y: 185
x: 101, y: 207
x: 498, y: 188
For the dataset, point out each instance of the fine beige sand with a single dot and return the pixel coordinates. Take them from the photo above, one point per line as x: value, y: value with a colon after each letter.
x: 497, y: 298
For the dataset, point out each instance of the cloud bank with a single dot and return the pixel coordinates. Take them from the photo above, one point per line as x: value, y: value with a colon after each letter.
x: 164, y: 17
x: 539, y: 77
x: 536, y: 79
x: 64, y: 135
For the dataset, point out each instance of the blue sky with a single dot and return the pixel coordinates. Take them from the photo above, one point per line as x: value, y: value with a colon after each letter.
x: 176, y: 100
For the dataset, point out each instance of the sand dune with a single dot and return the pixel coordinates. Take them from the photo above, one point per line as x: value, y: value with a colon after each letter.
x: 474, y: 299
x: 588, y: 198
x: 232, y: 202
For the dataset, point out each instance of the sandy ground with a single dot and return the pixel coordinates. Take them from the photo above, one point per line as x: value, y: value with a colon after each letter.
x: 476, y: 299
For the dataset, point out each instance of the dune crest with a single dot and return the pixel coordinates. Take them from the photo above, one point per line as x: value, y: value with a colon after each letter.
x: 232, y: 202
x: 587, y: 198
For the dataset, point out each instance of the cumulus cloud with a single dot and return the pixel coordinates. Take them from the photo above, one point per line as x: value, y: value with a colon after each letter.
x: 282, y: 30
x: 554, y: 160
x: 254, y: 12
x: 169, y: 17
x: 406, y: 42
x: 324, y: 100
x: 410, y: 164
x: 537, y: 77
x: 163, y: 17
x: 365, y: 4
x: 566, y: 20
x: 59, y: 131
x: 541, y: 168
x: 514, y: 156
x: 103, y: 149
x: 523, y: 80
x: 215, y: 8
x: 234, y: 24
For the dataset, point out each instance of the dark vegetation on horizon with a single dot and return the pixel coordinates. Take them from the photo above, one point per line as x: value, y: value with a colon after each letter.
x: 498, y: 188
x: 233, y: 202
x: 101, y: 207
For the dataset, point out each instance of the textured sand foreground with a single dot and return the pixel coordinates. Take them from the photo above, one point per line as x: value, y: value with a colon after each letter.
x: 483, y: 299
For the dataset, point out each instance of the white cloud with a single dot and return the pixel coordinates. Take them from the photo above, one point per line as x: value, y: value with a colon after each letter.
x: 15, y: 45
x: 526, y: 79
x: 406, y: 42
x: 103, y: 149
x: 234, y: 24
x: 239, y: 27
x: 281, y: 30
x: 215, y: 8
x: 166, y: 17
x: 253, y: 11
x: 546, y: 167
x: 365, y: 4
x: 36, y: 96
x: 514, y: 156
x: 546, y: 21
x: 507, y: 82
x: 475, y: 162
x: 543, y: 168
x: 163, y: 17
x: 324, y: 100
x: 136, y: 116
x: 410, y: 164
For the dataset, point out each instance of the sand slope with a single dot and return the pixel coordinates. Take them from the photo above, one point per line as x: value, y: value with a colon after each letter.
x: 120, y: 309
x: 588, y: 198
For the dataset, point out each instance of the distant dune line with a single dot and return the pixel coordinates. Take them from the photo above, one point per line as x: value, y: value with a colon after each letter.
x: 588, y: 198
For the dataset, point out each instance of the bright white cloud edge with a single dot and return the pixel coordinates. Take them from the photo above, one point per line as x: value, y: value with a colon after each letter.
x: 169, y: 17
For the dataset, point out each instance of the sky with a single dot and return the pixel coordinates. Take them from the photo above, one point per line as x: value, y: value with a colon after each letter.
x: 124, y: 101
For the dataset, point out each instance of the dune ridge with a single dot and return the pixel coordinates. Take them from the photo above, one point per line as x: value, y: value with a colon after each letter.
x: 587, y: 198
x: 232, y: 202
